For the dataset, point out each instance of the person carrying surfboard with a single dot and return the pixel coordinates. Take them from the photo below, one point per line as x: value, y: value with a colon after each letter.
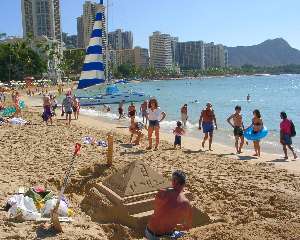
x: 238, y: 128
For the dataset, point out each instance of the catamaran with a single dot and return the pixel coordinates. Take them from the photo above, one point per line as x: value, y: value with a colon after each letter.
x: 93, y: 73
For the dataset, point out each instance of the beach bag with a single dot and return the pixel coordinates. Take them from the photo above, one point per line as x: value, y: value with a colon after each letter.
x: 293, y: 129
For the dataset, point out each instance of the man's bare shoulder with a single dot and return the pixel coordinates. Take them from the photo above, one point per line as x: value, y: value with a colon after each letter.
x: 164, y: 193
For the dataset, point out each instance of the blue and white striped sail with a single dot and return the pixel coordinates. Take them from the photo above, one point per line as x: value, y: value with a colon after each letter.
x: 93, y: 68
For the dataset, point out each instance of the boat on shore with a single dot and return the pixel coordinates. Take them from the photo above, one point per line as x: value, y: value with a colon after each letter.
x: 93, y: 74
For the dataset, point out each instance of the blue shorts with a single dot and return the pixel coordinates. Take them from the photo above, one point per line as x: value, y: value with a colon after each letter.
x: 153, y: 123
x: 208, y: 127
x: 177, y: 140
x: 287, y: 139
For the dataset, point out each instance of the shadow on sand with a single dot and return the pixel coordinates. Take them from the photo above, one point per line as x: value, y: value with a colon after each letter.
x: 194, y: 151
x: 138, y: 152
x: 42, y: 232
x: 278, y: 160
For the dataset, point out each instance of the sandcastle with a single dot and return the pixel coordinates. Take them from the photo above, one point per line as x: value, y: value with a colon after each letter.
x: 127, y: 197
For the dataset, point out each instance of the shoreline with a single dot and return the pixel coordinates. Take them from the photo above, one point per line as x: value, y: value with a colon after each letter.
x: 190, y: 143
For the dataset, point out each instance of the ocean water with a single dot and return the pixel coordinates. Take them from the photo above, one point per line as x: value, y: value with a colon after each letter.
x: 270, y: 94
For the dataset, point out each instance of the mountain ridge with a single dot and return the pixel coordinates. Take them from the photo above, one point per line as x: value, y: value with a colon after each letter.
x: 272, y: 52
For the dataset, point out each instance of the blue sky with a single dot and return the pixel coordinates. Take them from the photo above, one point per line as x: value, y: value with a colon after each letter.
x: 230, y: 22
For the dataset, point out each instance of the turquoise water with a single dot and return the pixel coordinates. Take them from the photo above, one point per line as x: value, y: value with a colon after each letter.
x: 269, y: 94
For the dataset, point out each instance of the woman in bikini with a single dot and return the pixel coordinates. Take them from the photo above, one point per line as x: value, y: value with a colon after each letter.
x: 257, y: 124
x: 154, y: 116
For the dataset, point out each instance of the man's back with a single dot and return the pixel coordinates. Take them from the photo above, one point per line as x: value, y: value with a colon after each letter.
x: 170, y: 210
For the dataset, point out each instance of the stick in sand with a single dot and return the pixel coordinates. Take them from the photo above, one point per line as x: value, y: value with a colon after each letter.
x: 54, y: 215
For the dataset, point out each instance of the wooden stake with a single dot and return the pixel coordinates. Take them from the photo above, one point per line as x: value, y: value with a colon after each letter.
x: 110, y: 148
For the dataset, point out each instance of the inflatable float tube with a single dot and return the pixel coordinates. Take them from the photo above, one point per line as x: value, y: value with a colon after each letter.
x: 250, y: 135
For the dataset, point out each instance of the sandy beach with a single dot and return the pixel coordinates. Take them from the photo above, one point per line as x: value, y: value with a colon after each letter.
x: 252, y: 198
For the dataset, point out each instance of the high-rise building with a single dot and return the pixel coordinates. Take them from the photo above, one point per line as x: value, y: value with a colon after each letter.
x: 80, y: 32
x: 69, y: 41
x: 226, y: 58
x: 137, y: 56
x: 214, y: 55
x: 174, y: 42
x: 90, y: 10
x: 160, y: 46
x: 190, y: 55
x: 141, y: 57
x: 41, y: 18
x: 120, y: 40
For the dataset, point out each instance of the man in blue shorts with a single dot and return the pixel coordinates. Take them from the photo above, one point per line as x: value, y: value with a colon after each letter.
x: 206, y: 122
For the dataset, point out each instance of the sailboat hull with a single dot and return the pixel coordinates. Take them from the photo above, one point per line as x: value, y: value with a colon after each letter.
x: 113, y: 98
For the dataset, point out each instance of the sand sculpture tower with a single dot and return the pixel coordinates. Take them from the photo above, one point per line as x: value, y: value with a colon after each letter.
x: 127, y: 197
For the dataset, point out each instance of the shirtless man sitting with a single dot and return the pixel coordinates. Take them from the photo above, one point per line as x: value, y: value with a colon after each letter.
x: 172, y: 210
x: 238, y: 128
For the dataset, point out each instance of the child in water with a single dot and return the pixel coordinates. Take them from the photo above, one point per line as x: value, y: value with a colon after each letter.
x: 178, y: 131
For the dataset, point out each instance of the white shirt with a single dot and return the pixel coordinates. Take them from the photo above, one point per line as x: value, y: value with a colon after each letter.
x: 154, y: 115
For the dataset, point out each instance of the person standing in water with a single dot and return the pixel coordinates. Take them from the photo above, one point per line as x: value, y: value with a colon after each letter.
x: 207, y: 121
x: 257, y: 125
x: 154, y: 116
x: 286, y: 135
x: 143, y: 110
x: 248, y: 97
x: 238, y: 128
x: 120, y: 109
x: 184, y: 114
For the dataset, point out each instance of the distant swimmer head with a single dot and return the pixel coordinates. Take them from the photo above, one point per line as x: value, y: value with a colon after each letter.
x: 185, y: 105
x: 283, y: 115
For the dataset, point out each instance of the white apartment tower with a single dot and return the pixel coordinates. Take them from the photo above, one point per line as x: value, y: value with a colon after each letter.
x: 90, y: 10
x: 41, y: 18
x: 160, y: 46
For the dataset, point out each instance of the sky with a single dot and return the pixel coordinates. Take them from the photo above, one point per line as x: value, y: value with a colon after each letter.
x: 229, y: 22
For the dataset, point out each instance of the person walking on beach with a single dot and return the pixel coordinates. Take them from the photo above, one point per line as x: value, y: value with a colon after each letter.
x: 53, y: 104
x: 67, y: 107
x: 172, y: 210
x: 257, y: 125
x: 143, y: 110
x: 154, y: 116
x: 286, y: 135
x: 47, y: 114
x: 238, y: 128
x: 178, y: 131
x: 120, y: 109
x: 184, y: 114
x: 207, y: 121
x: 76, y: 107
x: 131, y: 111
x: 16, y: 100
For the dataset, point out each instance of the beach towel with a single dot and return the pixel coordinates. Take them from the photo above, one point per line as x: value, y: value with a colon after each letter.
x: 17, y: 121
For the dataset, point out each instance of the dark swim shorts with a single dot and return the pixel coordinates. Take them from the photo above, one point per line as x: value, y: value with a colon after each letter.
x: 208, y: 127
x: 177, y: 140
x: 238, y: 132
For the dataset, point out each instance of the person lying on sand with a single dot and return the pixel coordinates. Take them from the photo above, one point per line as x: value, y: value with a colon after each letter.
x: 172, y: 210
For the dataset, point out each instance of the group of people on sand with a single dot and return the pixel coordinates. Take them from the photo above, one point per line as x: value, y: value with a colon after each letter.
x: 153, y: 115
x: 70, y: 105
x: 286, y: 131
